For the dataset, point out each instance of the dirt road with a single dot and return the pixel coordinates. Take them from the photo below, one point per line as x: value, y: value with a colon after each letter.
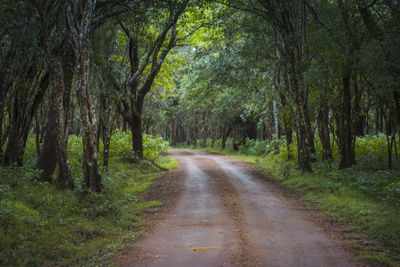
x: 227, y: 217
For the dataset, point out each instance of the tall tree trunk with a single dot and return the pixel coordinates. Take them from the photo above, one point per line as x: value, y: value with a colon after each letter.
x: 391, y: 129
x: 173, y: 131
x: 204, y: 130
x: 346, y: 140
x: 64, y: 170
x: 275, y: 111
x: 22, y: 114
x: 106, y: 126
x: 80, y: 29
x: 4, y: 88
x: 226, y: 130
x: 136, y: 128
x: 195, y: 136
x: 304, y: 142
x: 344, y: 120
x: 48, y: 157
x: 287, y: 112
x: 37, y: 132
x: 323, y: 124
x: 188, y: 135
x: 1, y: 127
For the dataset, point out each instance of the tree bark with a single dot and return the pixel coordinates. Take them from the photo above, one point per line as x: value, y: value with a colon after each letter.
x: 287, y: 124
x: 79, y: 25
x: 188, y: 134
x: 106, y: 125
x: 21, y: 116
x: 4, y: 89
x: 137, y: 137
x: 173, y: 131
x: 304, y: 142
x: 64, y: 170
x: 204, y: 130
x: 346, y: 140
x: 323, y: 124
x: 292, y: 57
x: 226, y: 130
x: 63, y: 78
x: 47, y: 159
x: 344, y: 121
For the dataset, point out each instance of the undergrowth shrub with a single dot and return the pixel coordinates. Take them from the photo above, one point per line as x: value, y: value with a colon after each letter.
x: 218, y: 143
x: 42, y: 225
x: 154, y: 146
x: 209, y: 142
x: 371, y: 151
x: 229, y: 143
x: 370, y: 175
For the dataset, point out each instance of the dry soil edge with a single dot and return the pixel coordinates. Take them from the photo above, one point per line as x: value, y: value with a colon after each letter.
x: 167, y: 189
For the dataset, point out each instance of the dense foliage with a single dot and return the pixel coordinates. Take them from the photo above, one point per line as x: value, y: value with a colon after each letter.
x: 41, y: 223
x: 311, y: 84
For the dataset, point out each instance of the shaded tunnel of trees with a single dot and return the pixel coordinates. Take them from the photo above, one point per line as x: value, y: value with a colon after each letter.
x: 308, y: 72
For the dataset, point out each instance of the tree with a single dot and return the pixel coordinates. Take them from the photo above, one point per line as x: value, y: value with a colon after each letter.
x: 144, y: 69
x: 79, y: 16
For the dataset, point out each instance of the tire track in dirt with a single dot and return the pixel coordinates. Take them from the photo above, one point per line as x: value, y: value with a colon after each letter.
x: 248, y: 255
x: 197, y: 232
x: 225, y: 216
x: 276, y: 229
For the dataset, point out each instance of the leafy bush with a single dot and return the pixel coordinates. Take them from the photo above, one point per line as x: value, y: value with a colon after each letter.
x: 254, y: 147
x: 218, y: 143
x: 121, y: 145
x: 209, y: 142
x: 371, y: 151
x: 229, y: 143
x: 154, y: 146
x: 277, y: 147
x: 383, y: 185
x: 42, y: 225
x: 75, y: 155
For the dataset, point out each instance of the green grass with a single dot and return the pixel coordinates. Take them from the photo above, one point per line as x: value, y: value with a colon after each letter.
x: 375, y: 222
x: 167, y: 162
x: 41, y: 225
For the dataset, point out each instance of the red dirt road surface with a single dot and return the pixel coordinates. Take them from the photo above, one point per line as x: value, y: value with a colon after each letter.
x: 225, y: 216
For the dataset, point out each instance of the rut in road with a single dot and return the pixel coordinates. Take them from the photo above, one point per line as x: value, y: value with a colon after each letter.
x: 227, y: 217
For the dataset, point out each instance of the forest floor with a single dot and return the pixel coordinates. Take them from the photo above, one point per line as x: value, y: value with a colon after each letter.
x: 219, y: 211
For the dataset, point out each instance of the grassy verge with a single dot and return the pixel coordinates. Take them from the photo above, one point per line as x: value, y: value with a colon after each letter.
x: 374, y: 223
x: 41, y: 225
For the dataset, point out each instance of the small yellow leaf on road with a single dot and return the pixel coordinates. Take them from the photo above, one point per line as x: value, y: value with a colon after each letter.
x: 203, y: 249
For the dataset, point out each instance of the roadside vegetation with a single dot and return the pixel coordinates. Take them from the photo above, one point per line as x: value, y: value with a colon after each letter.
x: 90, y: 89
x: 41, y: 224
x: 364, y: 199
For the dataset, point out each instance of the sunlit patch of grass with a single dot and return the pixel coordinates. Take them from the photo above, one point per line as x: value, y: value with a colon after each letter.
x: 168, y: 162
